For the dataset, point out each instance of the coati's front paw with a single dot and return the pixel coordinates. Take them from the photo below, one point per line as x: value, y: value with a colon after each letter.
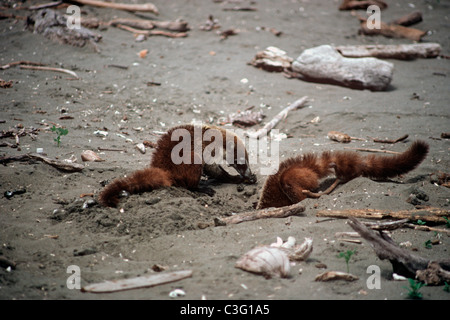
x: 206, y: 190
x: 250, y: 180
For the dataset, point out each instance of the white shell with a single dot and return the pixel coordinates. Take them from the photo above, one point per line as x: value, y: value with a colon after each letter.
x: 89, y: 155
x: 301, y: 252
x: 141, y: 148
x: 101, y: 133
x: 177, y: 293
x: 295, y: 252
x: 290, y: 243
x: 268, y: 261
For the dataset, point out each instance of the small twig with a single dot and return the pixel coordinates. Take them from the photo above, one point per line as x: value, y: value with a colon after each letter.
x: 11, y: 16
x: 240, y: 9
x: 117, y: 66
x: 281, y: 212
x: 389, y: 140
x: 59, y: 164
x: 389, y: 225
x: 109, y: 149
x: 351, y: 240
x: 152, y: 32
x: 50, y: 69
x: 45, y: 5
x: 30, y: 63
x: 168, y: 34
x: 359, y: 139
x: 144, y: 24
x: 146, y: 7
x: 272, y: 123
x: 373, y: 150
x: 426, y: 228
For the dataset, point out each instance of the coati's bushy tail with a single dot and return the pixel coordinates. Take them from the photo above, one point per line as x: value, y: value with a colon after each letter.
x: 381, y: 167
x: 139, y: 181
x: 350, y: 165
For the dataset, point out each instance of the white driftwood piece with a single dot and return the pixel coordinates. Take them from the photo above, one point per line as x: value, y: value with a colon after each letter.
x: 138, y: 282
x: 281, y: 115
x: 392, y: 51
x: 326, y: 65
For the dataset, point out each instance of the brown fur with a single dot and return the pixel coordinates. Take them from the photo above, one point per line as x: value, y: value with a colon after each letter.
x: 162, y: 172
x: 304, y: 172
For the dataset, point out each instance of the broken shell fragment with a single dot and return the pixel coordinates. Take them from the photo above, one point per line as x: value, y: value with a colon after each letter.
x: 295, y: 252
x: 100, y: 133
x: 289, y: 243
x: 89, y: 155
x: 143, y: 53
x: 141, y: 148
x: 177, y: 293
x: 267, y: 261
x: 301, y: 252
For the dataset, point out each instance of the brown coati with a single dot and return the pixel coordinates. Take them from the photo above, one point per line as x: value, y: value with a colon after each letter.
x: 182, y: 162
x: 298, y: 177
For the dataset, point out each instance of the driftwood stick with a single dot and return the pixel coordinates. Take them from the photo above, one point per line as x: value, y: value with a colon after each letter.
x: 15, y: 63
x: 134, y: 23
x: 426, y: 228
x: 153, y: 32
x: 146, y: 7
x: 373, y: 150
x: 429, y: 214
x: 144, y: 24
x: 138, y: 282
x: 393, y: 51
x: 59, y: 164
x: 392, y: 31
x: 50, y: 69
x: 45, y: 5
x: 403, y: 261
x: 390, y: 140
x: 272, y: 123
x: 281, y: 212
x: 356, y: 4
x: 388, y: 225
x: 167, y: 34
x: 409, y: 19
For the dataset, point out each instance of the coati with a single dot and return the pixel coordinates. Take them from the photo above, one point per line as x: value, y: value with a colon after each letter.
x: 299, y: 176
x: 200, y: 156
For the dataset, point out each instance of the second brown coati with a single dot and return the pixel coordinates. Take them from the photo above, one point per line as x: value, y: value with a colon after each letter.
x: 297, y: 178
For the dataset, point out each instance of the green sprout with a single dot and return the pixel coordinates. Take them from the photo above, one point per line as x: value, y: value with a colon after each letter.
x: 420, y: 222
x: 413, y: 289
x: 59, y: 132
x: 447, y: 223
x: 428, y: 244
x: 446, y: 287
x: 347, y: 255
